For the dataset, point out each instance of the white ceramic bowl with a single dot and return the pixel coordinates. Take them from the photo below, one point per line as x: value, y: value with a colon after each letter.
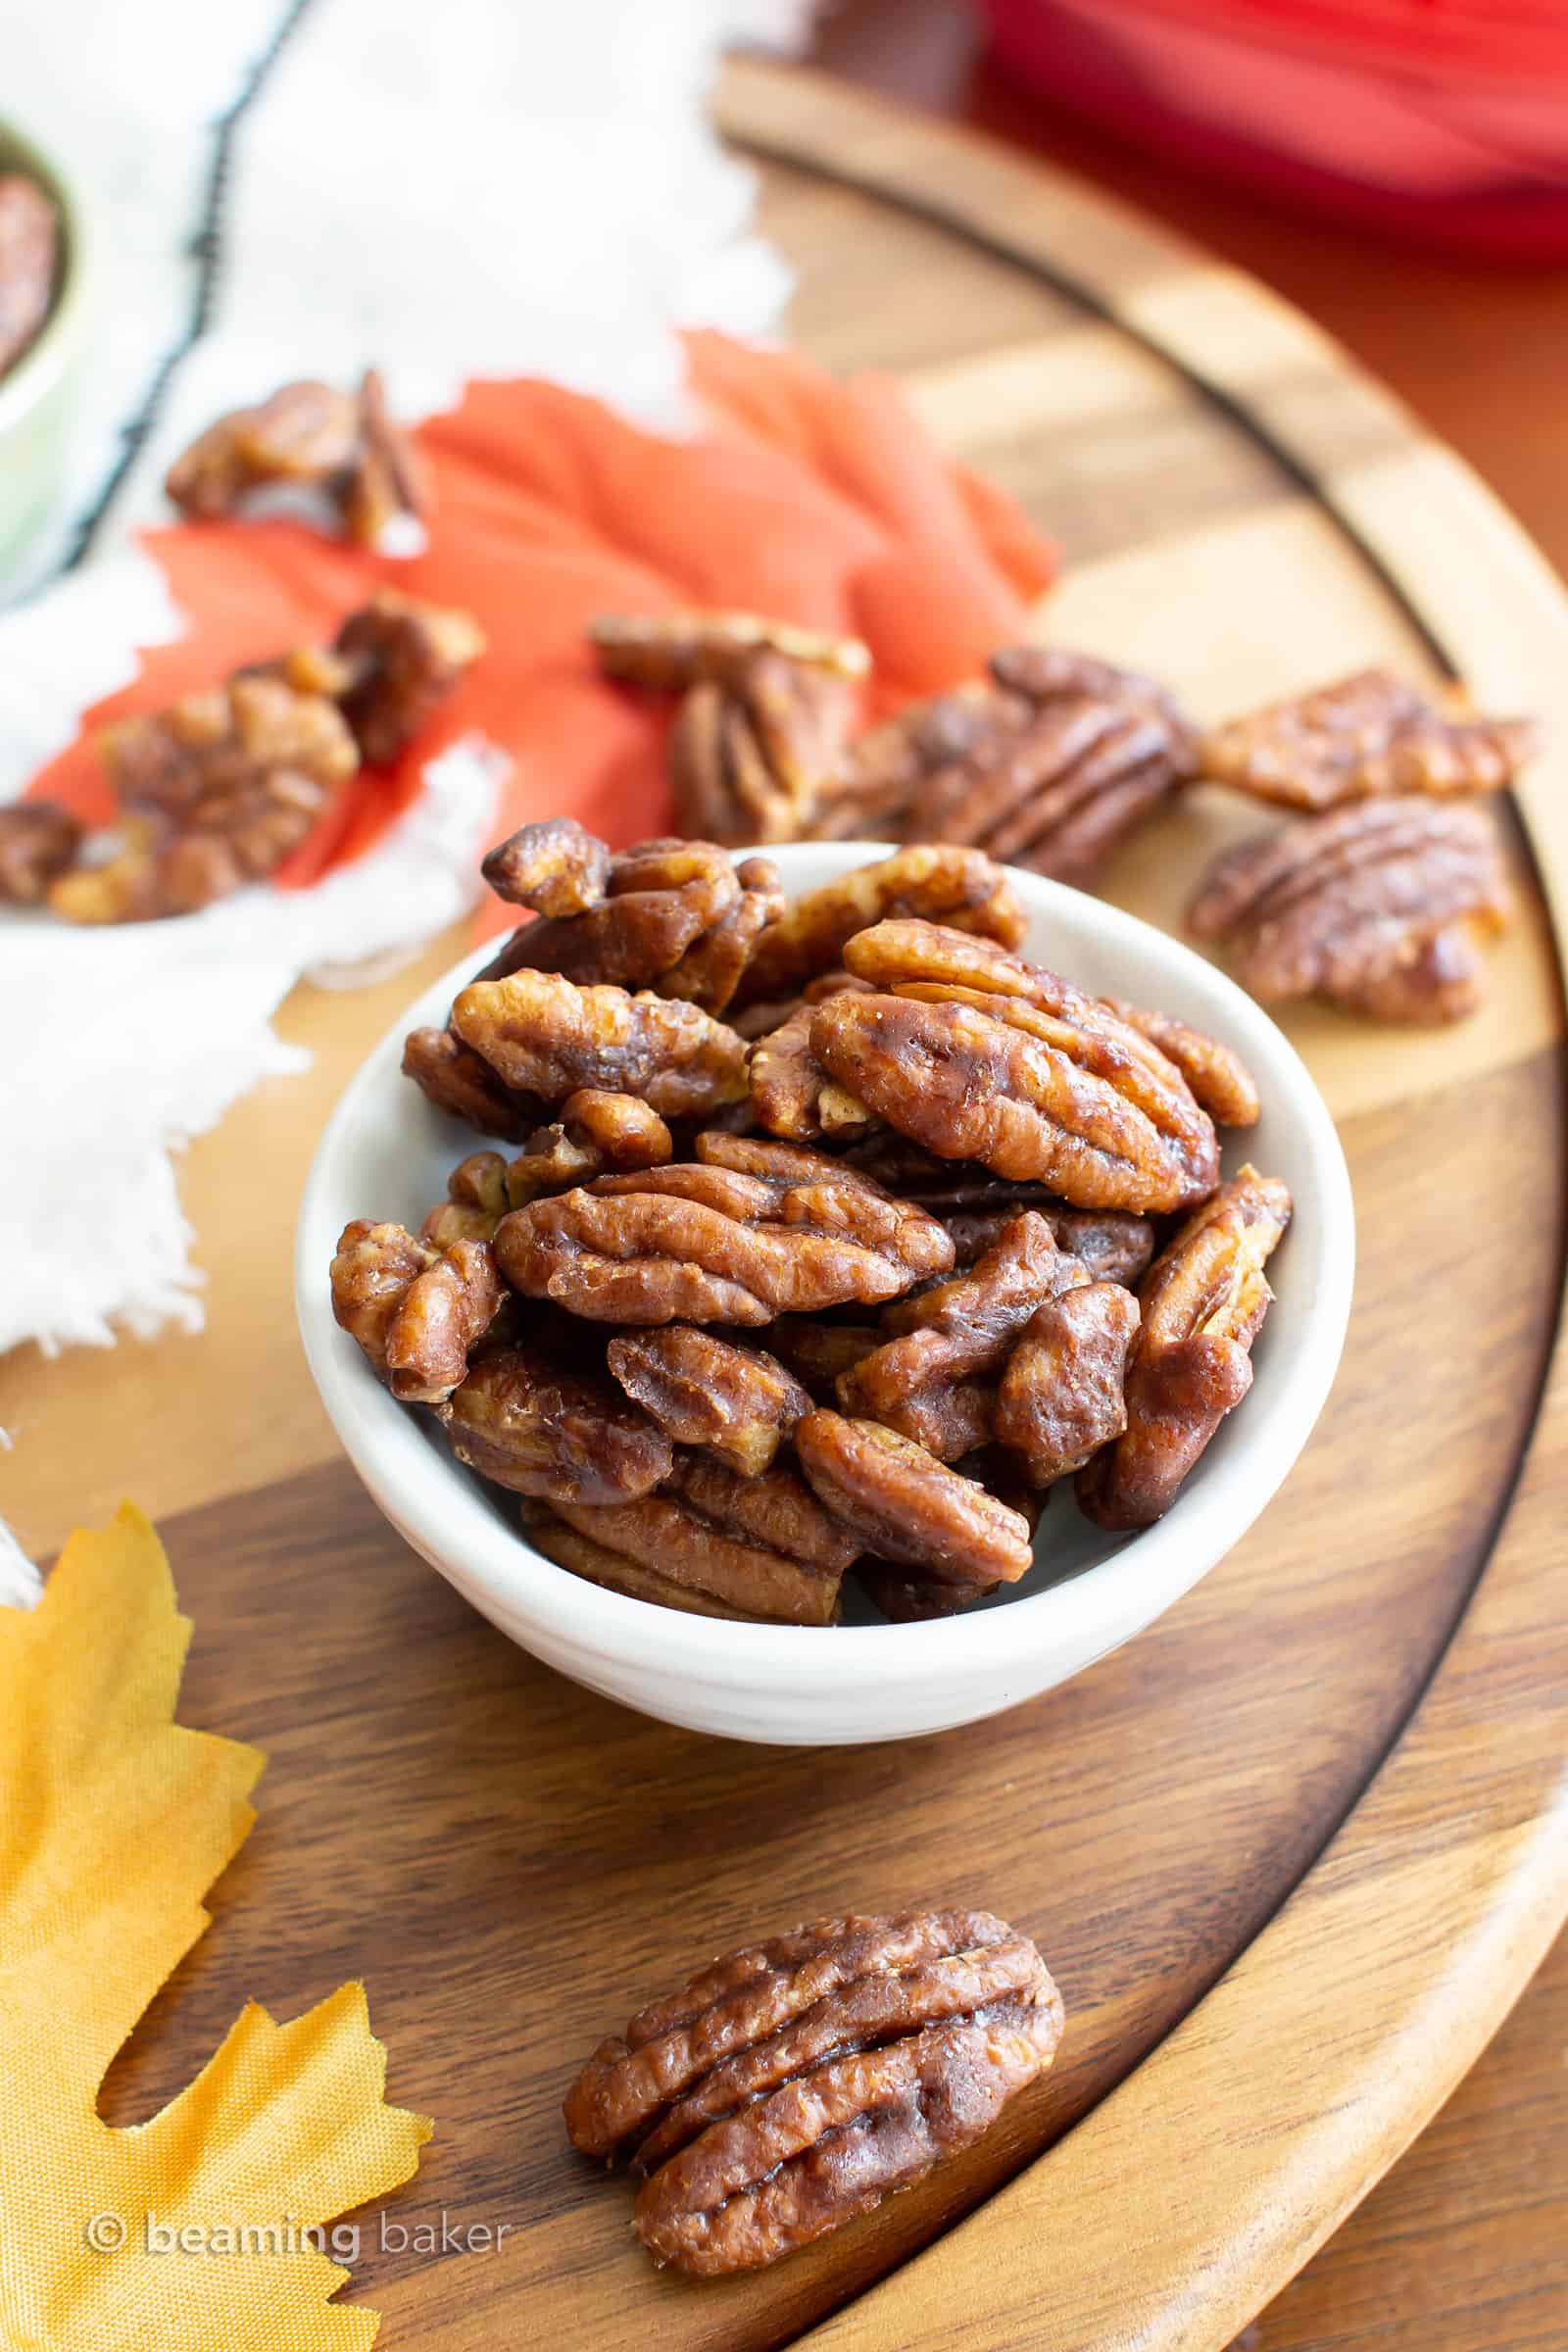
x: 386, y: 1154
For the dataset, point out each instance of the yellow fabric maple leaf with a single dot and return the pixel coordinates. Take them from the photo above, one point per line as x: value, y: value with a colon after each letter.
x: 187, y: 2233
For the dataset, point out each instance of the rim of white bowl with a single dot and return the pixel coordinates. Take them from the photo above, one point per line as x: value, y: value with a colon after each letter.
x: 445, y: 1508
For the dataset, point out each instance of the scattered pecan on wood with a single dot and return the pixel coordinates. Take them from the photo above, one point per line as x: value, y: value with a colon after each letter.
x: 1375, y: 906
x: 1202, y: 1302
x: 1096, y: 753
x: 1366, y: 736
x: 790, y: 2086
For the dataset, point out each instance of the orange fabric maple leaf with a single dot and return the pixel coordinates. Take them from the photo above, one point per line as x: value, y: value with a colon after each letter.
x: 813, y: 501
x: 114, y: 1821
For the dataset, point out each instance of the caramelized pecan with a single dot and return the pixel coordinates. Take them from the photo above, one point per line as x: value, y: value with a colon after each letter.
x: 531, y: 1425
x: 598, y: 1134
x: 554, y: 866
x: 462, y: 1083
x: 1202, y: 1302
x: 792, y: 2084
x: 345, y: 446
x: 710, y: 971
x: 1098, y: 752
x: 416, y: 1312
x: 955, y: 886
x: 817, y: 1351
x: 748, y: 759
x: 776, y: 1508
x: 906, y: 1506
x: 1111, y: 1247
x: 921, y: 1382
x: 475, y: 1202
x: 1220, y: 1081
x: 703, y: 1390
x: 672, y: 651
x: 400, y: 659
x: 1366, y: 736
x: 38, y: 843
x: 884, y: 768
x: 1373, y: 905
x: 1060, y: 1397
x: 543, y: 1035
x: 791, y: 1094
x: 713, y: 1242
x: 661, y: 1547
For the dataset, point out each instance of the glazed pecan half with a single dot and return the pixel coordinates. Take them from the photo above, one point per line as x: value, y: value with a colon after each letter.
x: 38, y: 843
x: 870, y: 794
x: 791, y: 1094
x: 703, y: 1390
x: 598, y: 1134
x: 540, y: 1429
x: 1111, y: 1246
x: 750, y: 758
x: 738, y: 1238
x: 677, y: 916
x: 958, y: 886
x: 554, y: 866
x: 417, y: 1313
x: 29, y: 238
x: 1375, y: 906
x: 545, y: 1036
x: 1061, y: 1396
x: 663, y: 1548
x: 922, y: 1380
x: 906, y: 1506
x: 1366, y: 736
x: 219, y: 789
x: 462, y: 1083
x: 1098, y: 752
x: 475, y: 1202
x: 792, y: 2084
x: 400, y: 658
x: 343, y: 445
x: 1202, y: 1302
x: 672, y: 651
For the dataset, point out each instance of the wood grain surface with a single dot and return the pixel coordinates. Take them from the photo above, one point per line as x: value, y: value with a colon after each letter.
x: 513, y: 1863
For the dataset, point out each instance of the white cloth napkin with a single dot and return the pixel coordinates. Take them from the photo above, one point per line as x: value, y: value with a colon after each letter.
x: 481, y: 188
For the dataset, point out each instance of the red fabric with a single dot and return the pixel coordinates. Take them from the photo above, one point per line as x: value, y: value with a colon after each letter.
x: 811, y: 500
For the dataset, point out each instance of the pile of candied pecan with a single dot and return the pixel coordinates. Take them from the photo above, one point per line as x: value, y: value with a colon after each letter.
x: 29, y: 242
x: 1373, y: 895
x: 219, y: 789
x: 832, y: 1235
x: 792, y: 2084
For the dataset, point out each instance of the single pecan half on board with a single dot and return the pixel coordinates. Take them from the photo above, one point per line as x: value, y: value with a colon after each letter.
x: 954, y: 886
x: 1098, y: 752
x: 672, y: 650
x: 1201, y: 1303
x: 703, y: 1390
x: 903, y: 1504
x: 750, y: 758
x: 1376, y: 905
x: 29, y: 238
x: 925, y: 1380
x: 715, y: 1243
x: 38, y: 843
x: 542, y: 1429
x: 417, y: 1313
x: 1366, y: 736
x: 790, y: 2086
x: 545, y: 1036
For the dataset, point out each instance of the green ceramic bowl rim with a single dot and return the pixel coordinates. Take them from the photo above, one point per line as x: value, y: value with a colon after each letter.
x: 47, y: 357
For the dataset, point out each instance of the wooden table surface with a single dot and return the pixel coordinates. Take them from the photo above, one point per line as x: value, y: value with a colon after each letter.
x: 1464, y: 2246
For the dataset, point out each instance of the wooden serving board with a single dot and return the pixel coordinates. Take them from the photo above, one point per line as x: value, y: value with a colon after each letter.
x: 1294, y: 1852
